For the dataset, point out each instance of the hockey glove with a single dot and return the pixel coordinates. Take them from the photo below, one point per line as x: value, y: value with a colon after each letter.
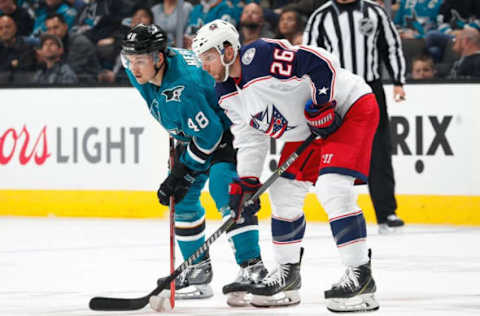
x: 176, y: 184
x: 241, y: 189
x: 322, y: 120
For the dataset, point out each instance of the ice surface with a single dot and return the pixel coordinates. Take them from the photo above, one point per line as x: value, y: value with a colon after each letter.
x: 53, y: 266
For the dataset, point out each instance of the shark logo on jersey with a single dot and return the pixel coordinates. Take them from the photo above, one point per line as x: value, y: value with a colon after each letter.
x: 173, y: 94
x: 271, y: 122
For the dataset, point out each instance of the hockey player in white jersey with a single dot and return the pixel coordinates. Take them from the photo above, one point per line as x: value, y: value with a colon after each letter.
x: 272, y: 89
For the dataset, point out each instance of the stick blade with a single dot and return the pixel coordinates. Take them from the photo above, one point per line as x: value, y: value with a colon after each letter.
x: 117, y: 304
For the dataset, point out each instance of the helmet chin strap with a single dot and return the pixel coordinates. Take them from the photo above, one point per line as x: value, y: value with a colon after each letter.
x: 227, y: 65
x: 157, y: 68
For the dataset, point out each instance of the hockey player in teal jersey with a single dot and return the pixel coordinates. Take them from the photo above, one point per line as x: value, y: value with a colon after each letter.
x: 182, y: 98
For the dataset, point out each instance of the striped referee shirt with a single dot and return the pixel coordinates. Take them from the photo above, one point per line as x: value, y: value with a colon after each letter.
x: 361, y: 34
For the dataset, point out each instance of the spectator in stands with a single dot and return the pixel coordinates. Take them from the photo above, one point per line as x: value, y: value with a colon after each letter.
x: 207, y: 11
x: 49, y: 7
x: 238, y: 6
x: 305, y: 7
x: 165, y: 16
x: 16, y: 56
x: 453, y: 17
x: 55, y: 71
x: 104, y: 15
x: 108, y: 49
x: 291, y: 25
x: 102, y: 22
x: 77, y: 4
x: 455, y: 14
x: 80, y: 53
x: 270, y: 16
x: 22, y: 19
x: 252, y: 24
x: 467, y: 45
x: 422, y: 67
x: 394, y: 3
x: 141, y: 15
x: 114, y: 72
x: 415, y: 18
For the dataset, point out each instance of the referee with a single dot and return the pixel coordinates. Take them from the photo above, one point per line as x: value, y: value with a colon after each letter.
x: 362, y: 35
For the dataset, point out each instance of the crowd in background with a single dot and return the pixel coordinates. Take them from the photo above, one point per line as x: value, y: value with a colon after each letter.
x: 79, y: 41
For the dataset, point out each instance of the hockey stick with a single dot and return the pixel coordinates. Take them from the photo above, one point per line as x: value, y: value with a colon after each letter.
x: 126, y: 304
x: 172, y: 224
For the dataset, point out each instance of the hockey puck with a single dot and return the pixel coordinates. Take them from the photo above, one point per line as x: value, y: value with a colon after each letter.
x: 160, y: 303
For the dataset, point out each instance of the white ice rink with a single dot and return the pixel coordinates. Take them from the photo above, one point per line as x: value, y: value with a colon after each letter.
x: 53, y: 266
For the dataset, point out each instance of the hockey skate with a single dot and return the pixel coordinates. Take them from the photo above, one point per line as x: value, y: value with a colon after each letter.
x: 280, y: 288
x: 193, y: 283
x: 355, y: 291
x: 251, y: 273
x: 393, y: 224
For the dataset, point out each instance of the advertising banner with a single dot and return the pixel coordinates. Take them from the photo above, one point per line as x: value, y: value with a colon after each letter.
x: 95, y: 139
x: 84, y: 142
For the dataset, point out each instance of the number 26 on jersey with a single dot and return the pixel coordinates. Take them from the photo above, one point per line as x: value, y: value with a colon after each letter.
x: 282, y: 62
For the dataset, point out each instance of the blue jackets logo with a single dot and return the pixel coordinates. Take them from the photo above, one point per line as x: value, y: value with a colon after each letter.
x: 173, y: 94
x: 274, y: 124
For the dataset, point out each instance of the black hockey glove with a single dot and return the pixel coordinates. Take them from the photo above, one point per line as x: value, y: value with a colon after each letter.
x: 322, y: 120
x: 176, y: 184
x: 241, y: 189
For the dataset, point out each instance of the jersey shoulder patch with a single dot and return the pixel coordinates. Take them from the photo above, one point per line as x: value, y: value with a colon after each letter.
x: 255, y: 60
x: 257, y: 52
x: 248, y: 56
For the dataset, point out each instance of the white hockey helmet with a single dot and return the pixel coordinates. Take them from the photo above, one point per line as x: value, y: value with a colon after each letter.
x: 214, y: 35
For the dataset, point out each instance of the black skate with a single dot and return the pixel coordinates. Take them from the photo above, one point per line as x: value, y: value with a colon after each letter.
x: 280, y: 288
x: 193, y: 283
x: 393, y: 224
x: 355, y: 291
x: 251, y: 273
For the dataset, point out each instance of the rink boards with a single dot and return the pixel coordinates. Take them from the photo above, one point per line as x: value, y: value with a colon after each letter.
x: 97, y: 152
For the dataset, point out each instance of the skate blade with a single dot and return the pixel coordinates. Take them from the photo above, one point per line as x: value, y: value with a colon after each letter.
x: 239, y: 299
x: 359, y: 303
x: 194, y: 292
x: 287, y: 298
x: 386, y: 230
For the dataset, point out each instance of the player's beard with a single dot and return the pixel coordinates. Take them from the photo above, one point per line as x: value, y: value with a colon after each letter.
x: 250, y: 25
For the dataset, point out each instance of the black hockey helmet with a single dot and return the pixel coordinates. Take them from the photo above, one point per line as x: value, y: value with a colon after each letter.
x: 144, y: 39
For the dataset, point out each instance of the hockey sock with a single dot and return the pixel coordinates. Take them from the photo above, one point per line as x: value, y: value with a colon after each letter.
x: 350, y: 232
x: 287, y: 237
x: 190, y: 236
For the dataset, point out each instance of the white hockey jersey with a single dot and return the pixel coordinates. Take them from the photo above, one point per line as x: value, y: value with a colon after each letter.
x: 268, y: 100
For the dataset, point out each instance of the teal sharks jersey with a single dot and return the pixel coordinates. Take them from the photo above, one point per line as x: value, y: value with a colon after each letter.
x: 419, y: 15
x: 186, y: 106
x: 199, y: 16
